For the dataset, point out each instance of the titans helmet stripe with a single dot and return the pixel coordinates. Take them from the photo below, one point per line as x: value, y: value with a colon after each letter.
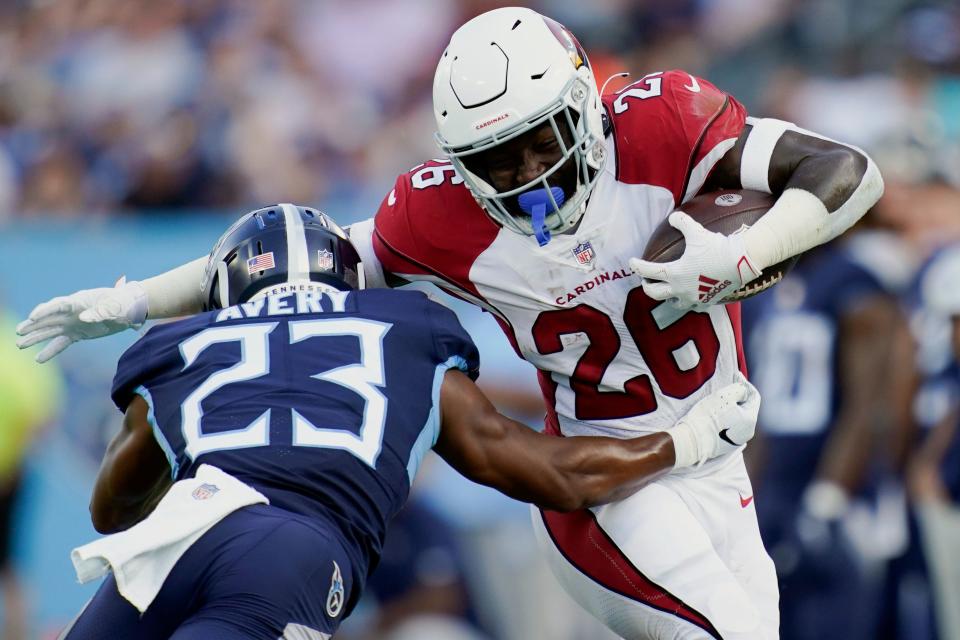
x: 223, y: 277
x: 298, y: 260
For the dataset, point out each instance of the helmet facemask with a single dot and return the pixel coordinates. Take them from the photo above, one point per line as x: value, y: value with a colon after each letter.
x: 577, y: 148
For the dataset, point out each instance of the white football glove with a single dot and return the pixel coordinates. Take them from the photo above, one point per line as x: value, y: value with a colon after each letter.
x: 720, y: 423
x: 86, y: 314
x: 712, y: 267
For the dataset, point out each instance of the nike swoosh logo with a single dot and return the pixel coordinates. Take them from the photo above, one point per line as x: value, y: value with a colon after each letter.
x: 693, y: 86
x: 392, y: 199
x: 745, y: 502
x: 726, y: 438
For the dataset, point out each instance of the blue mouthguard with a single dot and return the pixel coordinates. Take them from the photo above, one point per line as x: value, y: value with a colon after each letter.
x: 535, y: 203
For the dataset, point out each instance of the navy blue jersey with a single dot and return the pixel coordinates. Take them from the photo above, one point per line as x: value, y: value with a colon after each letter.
x: 939, y: 384
x: 950, y: 466
x: 938, y: 392
x: 324, y: 403
x: 791, y: 348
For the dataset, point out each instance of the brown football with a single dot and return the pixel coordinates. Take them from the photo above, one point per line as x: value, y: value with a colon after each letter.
x: 725, y: 212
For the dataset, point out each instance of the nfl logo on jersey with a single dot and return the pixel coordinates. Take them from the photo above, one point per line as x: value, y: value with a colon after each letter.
x: 205, y: 491
x: 583, y: 252
x: 325, y: 259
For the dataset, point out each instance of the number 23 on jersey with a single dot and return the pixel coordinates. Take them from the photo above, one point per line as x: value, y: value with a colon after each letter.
x: 362, y: 378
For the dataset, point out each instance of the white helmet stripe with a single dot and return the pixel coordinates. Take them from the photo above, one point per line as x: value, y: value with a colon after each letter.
x: 223, y: 277
x: 298, y: 260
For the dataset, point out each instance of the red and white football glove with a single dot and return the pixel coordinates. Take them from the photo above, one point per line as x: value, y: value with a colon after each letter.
x: 712, y: 267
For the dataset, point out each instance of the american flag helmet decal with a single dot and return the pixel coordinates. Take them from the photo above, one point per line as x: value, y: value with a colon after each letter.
x: 262, y: 262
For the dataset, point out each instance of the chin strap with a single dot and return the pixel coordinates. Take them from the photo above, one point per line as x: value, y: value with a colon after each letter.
x: 534, y: 203
x: 622, y: 74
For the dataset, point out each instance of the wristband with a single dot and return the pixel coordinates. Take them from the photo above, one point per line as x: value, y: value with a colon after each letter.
x: 686, y: 451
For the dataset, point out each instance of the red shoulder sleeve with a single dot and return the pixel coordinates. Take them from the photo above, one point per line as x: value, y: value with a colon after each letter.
x: 670, y: 129
x: 391, y: 234
x: 430, y: 226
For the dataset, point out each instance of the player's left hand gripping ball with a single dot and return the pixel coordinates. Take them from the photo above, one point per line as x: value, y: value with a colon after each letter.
x: 712, y: 266
x: 87, y: 314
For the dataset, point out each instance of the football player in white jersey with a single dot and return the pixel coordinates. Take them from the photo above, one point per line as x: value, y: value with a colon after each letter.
x: 547, y: 194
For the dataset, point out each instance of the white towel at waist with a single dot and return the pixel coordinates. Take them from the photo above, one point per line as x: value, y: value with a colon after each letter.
x: 143, y: 556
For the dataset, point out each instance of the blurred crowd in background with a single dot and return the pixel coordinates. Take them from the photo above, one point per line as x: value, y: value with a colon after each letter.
x: 168, y: 113
x: 110, y: 106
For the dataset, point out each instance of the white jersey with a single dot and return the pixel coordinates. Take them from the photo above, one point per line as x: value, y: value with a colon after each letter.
x: 612, y: 360
x: 681, y: 558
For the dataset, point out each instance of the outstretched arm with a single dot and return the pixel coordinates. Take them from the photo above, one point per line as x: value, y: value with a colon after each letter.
x: 565, y: 474
x: 95, y: 313
x: 134, y: 474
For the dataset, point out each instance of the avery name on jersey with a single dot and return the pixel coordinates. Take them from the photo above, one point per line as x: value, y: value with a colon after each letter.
x: 579, y: 290
x: 285, y: 304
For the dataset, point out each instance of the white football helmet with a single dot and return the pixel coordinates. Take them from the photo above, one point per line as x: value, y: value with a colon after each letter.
x: 503, y: 74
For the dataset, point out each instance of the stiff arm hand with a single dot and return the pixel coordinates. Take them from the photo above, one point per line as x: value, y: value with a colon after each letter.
x: 86, y: 314
x: 95, y: 313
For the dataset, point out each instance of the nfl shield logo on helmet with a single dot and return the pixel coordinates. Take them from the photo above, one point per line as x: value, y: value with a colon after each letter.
x: 583, y: 252
x: 325, y: 259
x: 205, y: 491
x: 335, y: 596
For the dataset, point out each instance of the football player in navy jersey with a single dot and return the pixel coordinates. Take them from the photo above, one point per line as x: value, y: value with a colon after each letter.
x: 818, y: 350
x: 933, y: 476
x: 268, y: 442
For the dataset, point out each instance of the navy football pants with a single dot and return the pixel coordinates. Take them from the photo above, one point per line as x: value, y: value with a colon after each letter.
x: 254, y: 573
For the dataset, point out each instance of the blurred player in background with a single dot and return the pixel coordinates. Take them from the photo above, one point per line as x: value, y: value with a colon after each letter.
x: 230, y: 531
x: 934, y: 470
x: 30, y: 398
x: 819, y: 348
x: 549, y: 192
x: 919, y: 213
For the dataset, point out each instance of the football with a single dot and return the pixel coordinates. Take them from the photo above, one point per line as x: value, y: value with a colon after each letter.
x: 726, y: 212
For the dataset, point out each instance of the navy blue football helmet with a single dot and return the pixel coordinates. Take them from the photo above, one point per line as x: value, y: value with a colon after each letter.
x: 278, y: 246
